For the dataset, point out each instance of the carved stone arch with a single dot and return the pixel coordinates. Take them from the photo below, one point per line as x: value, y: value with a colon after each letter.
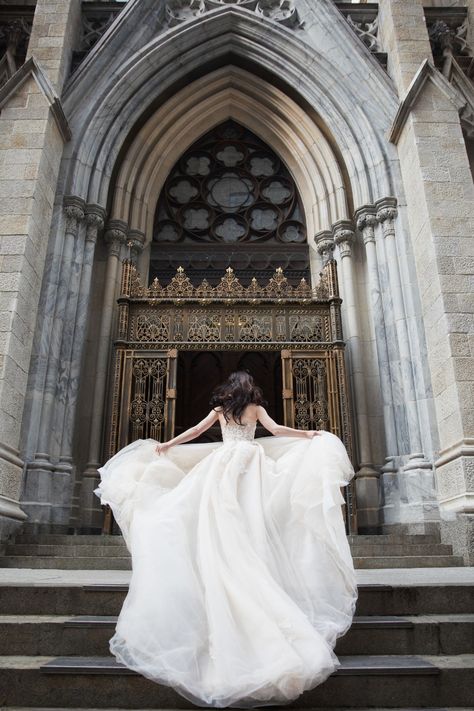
x: 114, y: 103
x: 275, y: 118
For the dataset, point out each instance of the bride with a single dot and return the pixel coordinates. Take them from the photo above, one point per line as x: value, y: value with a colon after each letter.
x: 242, y: 574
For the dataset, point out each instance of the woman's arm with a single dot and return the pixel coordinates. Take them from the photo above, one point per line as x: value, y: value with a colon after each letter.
x: 190, y: 434
x: 277, y: 429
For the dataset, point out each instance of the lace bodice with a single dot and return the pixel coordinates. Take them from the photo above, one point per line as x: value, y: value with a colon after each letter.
x: 233, y: 432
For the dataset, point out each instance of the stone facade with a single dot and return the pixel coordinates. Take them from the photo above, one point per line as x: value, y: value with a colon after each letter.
x: 380, y: 157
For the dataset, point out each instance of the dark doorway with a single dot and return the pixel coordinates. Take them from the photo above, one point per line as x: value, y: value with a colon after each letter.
x: 200, y: 372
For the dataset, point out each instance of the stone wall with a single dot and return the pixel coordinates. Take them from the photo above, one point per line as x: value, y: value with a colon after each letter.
x: 32, y: 136
x: 440, y: 195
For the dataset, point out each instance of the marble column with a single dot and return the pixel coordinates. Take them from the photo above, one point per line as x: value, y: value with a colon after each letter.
x: 95, y: 216
x: 115, y: 237
x: 367, y: 478
x: 40, y: 489
x: 417, y: 485
x: 366, y: 222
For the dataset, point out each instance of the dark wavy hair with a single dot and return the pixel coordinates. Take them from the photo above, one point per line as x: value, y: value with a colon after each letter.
x: 233, y: 396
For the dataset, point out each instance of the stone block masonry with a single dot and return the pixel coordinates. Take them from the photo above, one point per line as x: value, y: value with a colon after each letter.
x: 31, y: 147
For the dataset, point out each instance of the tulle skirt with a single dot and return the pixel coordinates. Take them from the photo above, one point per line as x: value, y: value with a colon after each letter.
x: 242, y: 574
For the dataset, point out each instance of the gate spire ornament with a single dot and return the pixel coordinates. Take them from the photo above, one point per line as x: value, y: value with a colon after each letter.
x: 229, y: 289
x: 282, y: 11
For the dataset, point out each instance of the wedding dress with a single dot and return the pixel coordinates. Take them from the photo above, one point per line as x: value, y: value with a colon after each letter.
x: 242, y: 574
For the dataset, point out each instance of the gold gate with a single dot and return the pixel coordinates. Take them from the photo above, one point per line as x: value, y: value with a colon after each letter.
x: 301, y: 322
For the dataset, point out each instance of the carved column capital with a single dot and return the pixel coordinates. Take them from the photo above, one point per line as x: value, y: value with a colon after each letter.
x: 136, y: 242
x: 74, y: 209
x: 325, y: 244
x: 95, y: 220
x: 366, y: 219
x: 343, y: 232
x: 115, y: 236
x: 386, y: 214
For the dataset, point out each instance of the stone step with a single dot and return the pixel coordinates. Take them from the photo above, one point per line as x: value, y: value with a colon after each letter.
x: 374, y: 599
x: 409, y: 561
x: 67, y: 562
x: 359, y: 550
x: 69, y: 539
x: 408, y: 681
x: 64, y: 551
x: 43, y: 635
x: 89, y: 550
x: 83, y: 539
x: 112, y: 562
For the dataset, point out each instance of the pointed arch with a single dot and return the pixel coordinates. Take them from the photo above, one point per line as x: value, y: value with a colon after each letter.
x: 116, y: 103
x: 230, y: 93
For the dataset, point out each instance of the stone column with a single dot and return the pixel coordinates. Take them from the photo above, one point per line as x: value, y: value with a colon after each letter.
x: 366, y: 221
x: 95, y: 216
x: 367, y: 478
x: 38, y: 497
x: 417, y: 485
x: 33, y: 136
x: 115, y: 237
x: 439, y: 195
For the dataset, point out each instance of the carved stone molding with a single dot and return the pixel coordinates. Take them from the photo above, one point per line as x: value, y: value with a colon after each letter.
x: 386, y: 214
x: 343, y: 232
x: 115, y: 236
x: 367, y: 32
x: 366, y: 219
x: 282, y: 11
x: 14, y: 36
x: 95, y: 220
x: 444, y: 36
x: 136, y: 242
x: 325, y: 244
x: 74, y: 209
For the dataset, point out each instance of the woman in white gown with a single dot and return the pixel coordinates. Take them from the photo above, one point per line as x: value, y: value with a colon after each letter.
x: 242, y: 574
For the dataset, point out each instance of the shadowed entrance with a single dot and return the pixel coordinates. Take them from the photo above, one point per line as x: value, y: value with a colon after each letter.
x: 200, y: 372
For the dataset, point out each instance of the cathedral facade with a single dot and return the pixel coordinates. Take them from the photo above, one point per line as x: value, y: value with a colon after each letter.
x: 193, y: 186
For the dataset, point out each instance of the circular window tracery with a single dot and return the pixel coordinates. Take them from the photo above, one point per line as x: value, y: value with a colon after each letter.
x: 229, y: 187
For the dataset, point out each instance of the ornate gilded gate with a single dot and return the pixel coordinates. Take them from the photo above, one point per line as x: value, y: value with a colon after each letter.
x: 301, y: 322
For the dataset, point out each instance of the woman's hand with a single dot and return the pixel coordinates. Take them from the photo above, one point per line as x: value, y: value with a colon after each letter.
x: 313, y: 433
x: 162, y: 447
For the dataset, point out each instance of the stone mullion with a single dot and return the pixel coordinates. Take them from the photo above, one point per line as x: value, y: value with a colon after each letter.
x: 366, y: 221
x: 95, y: 222
x: 115, y: 237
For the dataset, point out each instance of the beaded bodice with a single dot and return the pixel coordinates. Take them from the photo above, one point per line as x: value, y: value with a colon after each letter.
x: 233, y: 432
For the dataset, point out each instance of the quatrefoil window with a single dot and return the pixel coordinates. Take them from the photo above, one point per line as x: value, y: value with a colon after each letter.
x: 229, y: 187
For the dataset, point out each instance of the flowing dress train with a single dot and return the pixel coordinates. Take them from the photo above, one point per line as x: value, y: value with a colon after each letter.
x: 242, y: 573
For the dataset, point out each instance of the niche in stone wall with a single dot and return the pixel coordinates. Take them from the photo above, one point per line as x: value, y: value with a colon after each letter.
x: 229, y: 201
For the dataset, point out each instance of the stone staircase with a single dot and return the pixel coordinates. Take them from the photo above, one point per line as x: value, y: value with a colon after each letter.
x: 94, y: 552
x: 410, y: 647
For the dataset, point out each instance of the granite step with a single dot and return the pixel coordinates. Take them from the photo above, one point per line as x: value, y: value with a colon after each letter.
x: 117, y: 562
x: 107, y: 599
x: 120, y: 550
x: 43, y: 635
x: 409, y: 561
x: 99, y: 539
x: 67, y: 562
x: 408, y: 681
